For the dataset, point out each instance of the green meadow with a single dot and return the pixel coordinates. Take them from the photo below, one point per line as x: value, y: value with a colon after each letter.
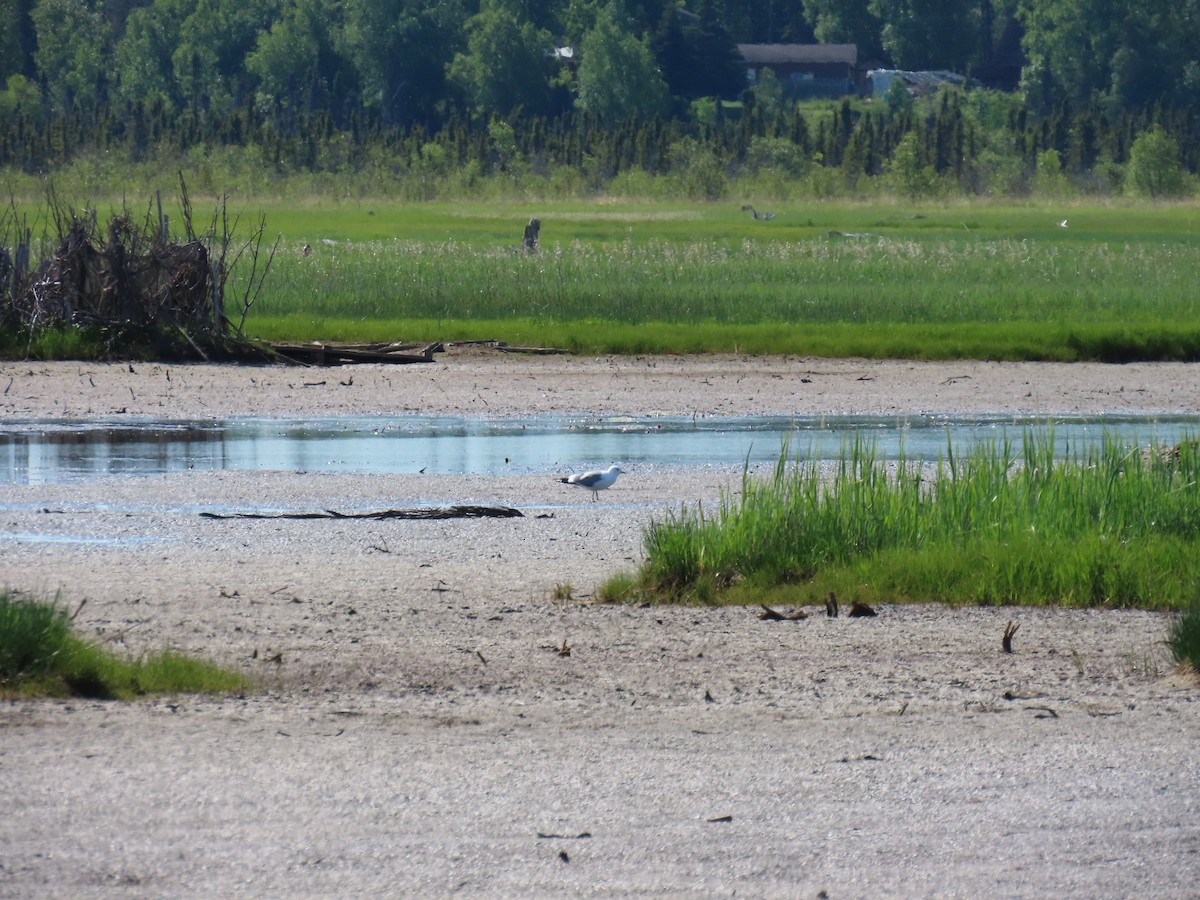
x: 1042, y: 280
x: 1002, y: 281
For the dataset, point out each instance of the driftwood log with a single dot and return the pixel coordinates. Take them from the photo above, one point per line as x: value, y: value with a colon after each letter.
x: 329, y: 353
x: 772, y: 615
x: 424, y: 512
x: 326, y: 353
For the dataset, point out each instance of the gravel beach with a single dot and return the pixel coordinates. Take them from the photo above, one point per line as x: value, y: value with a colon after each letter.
x: 420, y: 731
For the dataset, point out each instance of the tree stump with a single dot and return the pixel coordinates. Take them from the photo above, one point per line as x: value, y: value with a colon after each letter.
x: 531, y: 235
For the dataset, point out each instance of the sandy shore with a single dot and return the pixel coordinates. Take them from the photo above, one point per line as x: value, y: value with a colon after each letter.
x: 420, y: 732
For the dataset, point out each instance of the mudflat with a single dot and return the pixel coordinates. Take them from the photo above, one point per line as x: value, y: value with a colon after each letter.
x: 443, y: 709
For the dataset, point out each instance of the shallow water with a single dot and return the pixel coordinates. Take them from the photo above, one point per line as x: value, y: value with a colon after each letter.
x: 47, y: 451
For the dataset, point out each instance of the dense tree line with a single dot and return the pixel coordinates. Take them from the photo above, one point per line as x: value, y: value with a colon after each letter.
x: 611, y: 83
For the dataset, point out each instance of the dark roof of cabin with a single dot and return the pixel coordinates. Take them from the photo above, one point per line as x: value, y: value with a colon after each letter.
x: 764, y: 54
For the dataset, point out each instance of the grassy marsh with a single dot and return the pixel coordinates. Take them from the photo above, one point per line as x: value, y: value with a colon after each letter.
x: 832, y: 280
x: 1001, y: 525
x: 872, y: 279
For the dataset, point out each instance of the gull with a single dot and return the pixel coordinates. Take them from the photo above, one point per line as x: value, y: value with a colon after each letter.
x: 1062, y: 224
x: 594, y: 481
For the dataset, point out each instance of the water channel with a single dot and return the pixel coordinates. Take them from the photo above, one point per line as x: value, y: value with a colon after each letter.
x: 47, y: 451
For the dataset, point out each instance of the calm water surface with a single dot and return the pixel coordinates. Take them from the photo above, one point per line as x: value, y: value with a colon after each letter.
x: 52, y: 451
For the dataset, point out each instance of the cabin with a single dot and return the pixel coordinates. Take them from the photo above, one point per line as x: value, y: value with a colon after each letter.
x: 806, y: 70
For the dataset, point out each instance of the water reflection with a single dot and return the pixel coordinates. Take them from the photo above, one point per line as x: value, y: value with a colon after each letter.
x: 56, y: 451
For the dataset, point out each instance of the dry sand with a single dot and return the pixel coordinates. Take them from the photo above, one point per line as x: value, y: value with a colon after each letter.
x: 420, y: 734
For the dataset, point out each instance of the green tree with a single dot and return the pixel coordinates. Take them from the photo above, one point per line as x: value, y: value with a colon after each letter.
x: 768, y: 94
x: 618, y: 77
x: 899, y: 99
x: 295, y: 62
x: 1048, y: 177
x: 909, y: 171
x: 1154, y: 165
x: 768, y: 21
x: 21, y: 96
x: 17, y: 39
x: 696, y: 170
x: 508, y: 63
x: 777, y: 154
x: 929, y: 34
x: 672, y: 52
x: 1129, y: 53
x: 578, y: 18
x: 847, y: 22
x: 72, y: 40
x: 214, y: 40
x: 400, y: 49
x: 502, y: 141
x: 718, y: 67
x: 143, y: 66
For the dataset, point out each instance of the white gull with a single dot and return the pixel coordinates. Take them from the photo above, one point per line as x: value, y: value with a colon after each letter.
x: 594, y: 481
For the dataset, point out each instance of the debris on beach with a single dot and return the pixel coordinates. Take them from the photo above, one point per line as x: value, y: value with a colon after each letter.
x: 858, y: 609
x: 132, y: 281
x: 771, y: 615
x: 1009, y: 631
x: 459, y: 511
x: 331, y: 353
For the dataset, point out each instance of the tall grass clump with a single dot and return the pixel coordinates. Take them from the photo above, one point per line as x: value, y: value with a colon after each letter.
x: 1111, y: 526
x: 41, y: 656
x: 1184, y: 637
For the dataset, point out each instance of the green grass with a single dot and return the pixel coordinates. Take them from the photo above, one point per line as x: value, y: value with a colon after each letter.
x: 984, y: 280
x: 41, y: 656
x: 1006, y: 341
x: 498, y: 225
x: 1184, y: 637
x: 860, y: 282
x: 999, y: 282
x: 1003, y: 525
x: 73, y: 343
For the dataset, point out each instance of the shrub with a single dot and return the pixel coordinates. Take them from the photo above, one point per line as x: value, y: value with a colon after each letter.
x: 696, y: 170
x: 910, y: 174
x: 1049, y: 180
x: 1154, y: 165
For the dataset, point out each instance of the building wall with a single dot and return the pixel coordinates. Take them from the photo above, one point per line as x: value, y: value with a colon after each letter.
x: 801, y: 80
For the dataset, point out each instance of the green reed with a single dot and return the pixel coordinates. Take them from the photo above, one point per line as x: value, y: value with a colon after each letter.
x: 1003, y: 524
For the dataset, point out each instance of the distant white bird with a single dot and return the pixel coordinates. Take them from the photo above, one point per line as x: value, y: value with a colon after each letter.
x: 1062, y: 224
x: 594, y: 481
